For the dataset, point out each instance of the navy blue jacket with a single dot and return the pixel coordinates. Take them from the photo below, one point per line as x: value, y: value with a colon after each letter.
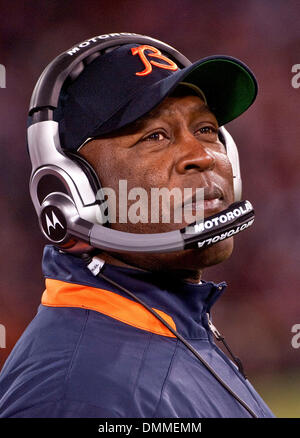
x: 92, y: 351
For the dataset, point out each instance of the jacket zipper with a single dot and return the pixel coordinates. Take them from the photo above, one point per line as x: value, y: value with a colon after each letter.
x: 221, y: 338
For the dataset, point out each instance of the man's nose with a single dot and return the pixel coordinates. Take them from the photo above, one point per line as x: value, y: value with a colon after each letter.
x: 195, y: 155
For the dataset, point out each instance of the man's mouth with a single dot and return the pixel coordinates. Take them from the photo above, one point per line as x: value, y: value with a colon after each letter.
x: 205, y: 201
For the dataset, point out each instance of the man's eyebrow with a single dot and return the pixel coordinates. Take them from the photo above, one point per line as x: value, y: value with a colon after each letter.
x: 156, y: 112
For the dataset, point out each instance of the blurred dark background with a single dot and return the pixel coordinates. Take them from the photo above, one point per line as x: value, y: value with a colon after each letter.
x: 261, y: 304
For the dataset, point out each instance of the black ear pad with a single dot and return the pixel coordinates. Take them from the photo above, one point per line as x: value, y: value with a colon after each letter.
x: 49, y: 184
x: 87, y: 169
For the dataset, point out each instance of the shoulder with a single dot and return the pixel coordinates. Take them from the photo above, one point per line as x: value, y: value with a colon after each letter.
x: 76, y: 362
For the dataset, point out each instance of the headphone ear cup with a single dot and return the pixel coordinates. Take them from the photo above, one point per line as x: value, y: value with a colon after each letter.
x: 58, y: 217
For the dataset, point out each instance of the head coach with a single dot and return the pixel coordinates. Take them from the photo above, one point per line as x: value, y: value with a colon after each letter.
x: 124, y: 327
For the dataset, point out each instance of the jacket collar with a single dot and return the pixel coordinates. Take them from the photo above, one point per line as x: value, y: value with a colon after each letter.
x: 186, y: 303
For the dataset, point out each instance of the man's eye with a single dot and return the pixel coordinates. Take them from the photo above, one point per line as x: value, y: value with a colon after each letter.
x: 207, y: 130
x: 155, y: 136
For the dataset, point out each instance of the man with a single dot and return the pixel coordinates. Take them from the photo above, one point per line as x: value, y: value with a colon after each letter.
x: 95, y: 347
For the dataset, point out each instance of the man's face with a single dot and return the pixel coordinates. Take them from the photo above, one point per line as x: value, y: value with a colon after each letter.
x: 174, y: 146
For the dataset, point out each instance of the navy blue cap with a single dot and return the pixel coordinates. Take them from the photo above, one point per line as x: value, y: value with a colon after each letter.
x: 124, y: 84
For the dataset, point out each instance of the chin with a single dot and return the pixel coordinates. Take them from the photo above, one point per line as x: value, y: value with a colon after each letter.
x: 200, y: 259
x: 217, y: 253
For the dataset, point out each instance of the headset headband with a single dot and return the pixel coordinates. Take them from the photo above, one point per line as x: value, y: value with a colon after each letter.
x: 47, y: 90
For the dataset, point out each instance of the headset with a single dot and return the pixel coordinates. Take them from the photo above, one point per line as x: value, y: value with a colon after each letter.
x: 64, y: 187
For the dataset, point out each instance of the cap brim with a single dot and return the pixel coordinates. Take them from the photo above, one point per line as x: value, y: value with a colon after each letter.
x: 228, y: 85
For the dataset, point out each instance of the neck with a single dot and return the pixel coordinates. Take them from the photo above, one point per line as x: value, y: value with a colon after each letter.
x: 154, y: 265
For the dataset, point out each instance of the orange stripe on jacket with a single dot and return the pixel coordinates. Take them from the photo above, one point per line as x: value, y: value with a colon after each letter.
x: 61, y: 294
